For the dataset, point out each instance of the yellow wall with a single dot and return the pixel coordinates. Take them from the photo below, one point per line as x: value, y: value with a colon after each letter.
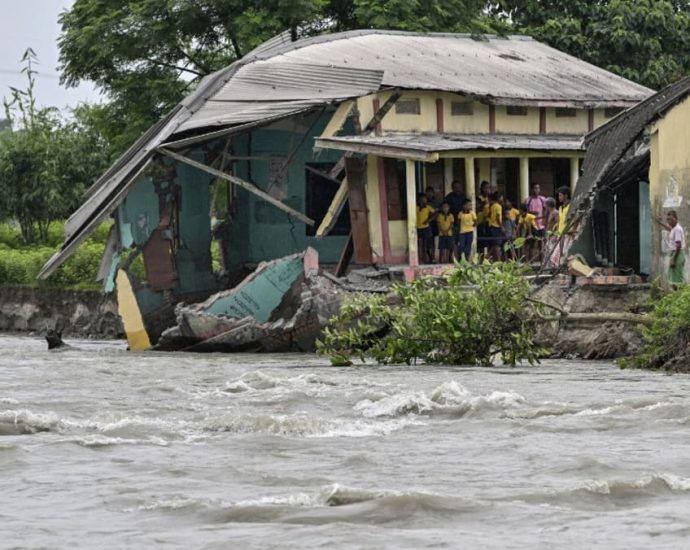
x: 578, y: 124
x: 669, y: 176
x: 398, y: 236
x: 513, y: 124
x: 477, y: 123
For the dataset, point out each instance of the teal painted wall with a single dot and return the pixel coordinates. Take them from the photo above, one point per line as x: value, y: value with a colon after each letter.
x: 263, y: 294
x: 139, y: 215
x: 260, y: 231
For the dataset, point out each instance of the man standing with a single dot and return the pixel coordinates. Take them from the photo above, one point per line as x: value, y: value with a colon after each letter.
x: 676, y: 244
x: 455, y: 198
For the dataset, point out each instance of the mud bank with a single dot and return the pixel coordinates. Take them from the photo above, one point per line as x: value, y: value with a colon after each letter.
x: 80, y: 314
x: 594, y: 338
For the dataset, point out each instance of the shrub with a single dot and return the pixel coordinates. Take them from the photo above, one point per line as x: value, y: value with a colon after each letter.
x: 468, y: 318
x: 667, y: 339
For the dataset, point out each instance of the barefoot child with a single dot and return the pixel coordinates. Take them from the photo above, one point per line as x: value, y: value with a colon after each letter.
x: 445, y: 221
x: 467, y: 220
x: 425, y: 238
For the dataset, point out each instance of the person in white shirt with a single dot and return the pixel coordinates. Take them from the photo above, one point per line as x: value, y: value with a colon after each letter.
x: 676, y: 244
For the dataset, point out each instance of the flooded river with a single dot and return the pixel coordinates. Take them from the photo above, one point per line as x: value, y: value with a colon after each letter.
x: 100, y: 448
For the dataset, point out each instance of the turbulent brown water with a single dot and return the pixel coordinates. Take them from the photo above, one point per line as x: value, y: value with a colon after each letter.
x: 100, y: 448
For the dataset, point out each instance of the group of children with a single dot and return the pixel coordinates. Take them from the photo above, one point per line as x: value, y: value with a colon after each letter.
x: 539, y: 221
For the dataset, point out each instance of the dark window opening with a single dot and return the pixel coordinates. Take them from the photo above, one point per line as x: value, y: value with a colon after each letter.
x: 611, y: 112
x: 513, y: 110
x: 565, y: 112
x: 461, y: 108
x: 320, y: 192
x: 408, y: 107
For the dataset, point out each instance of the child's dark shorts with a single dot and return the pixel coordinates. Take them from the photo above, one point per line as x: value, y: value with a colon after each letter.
x: 445, y: 242
x: 426, y: 236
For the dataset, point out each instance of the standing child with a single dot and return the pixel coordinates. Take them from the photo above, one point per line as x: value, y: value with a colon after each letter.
x: 509, y: 229
x: 495, y: 226
x: 445, y: 221
x: 526, y: 227
x: 425, y: 238
x: 467, y: 220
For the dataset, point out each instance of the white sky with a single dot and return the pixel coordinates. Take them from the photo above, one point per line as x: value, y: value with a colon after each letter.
x: 33, y: 23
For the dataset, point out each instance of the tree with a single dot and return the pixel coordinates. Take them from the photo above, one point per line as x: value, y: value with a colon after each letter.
x: 647, y: 41
x: 478, y: 312
x: 146, y: 55
x: 46, y: 162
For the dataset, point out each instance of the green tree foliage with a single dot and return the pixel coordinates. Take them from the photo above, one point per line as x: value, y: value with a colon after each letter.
x: 667, y: 339
x: 647, y: 41
x: 146, y: 55
x: 477, y: 312
x: 46, y: 162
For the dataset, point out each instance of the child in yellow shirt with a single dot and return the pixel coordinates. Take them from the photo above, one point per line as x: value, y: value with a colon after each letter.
x: 445, y: 221
x: 467, y: 220
x: 425, y: 238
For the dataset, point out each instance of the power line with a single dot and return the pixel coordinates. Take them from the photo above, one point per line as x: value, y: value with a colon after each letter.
x: 38, y: 73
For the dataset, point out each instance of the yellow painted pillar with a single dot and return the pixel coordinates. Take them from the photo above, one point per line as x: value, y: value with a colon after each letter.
x: 411, y: 187
x: 524, y: 178
x: 447, y: 175
x: 574, y: 173
x: 129, y: 311
x: 471, y: 193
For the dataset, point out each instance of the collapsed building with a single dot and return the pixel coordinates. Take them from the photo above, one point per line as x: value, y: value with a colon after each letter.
x: 637, y: 166
x: 322, y: 145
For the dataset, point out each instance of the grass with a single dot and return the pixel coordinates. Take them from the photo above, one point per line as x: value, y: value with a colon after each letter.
x: 20, y: 263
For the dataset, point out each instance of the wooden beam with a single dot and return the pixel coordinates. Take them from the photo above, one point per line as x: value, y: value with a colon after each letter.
x: 338, y: 118
x: 374, y: 123
x: 240, y: 183
x: 542, y: 120
x: 322, y: 174
x: 439, y: 115
x: 379, y: 150
x: 334, y: 210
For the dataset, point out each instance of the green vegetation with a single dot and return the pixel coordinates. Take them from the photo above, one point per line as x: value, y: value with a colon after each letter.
x: 146, y: 55
x: 46, y: 162
x: 667, y: 339
x: 20, y: 263
x: 606, y: 32
x: 474, y: 314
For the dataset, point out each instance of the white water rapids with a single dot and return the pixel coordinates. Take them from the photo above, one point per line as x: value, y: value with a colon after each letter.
x: 101, y: 448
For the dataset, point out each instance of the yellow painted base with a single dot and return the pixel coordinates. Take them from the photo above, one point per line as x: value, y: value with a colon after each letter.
x: 127, y: 306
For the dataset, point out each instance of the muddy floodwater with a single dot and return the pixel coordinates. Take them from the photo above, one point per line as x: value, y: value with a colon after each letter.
x: 101, y: 448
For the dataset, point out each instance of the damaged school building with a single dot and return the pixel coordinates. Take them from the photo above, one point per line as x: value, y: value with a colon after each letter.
x: 312, y: 153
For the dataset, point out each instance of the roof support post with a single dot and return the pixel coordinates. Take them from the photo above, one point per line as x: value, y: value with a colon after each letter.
x: 411, y: 188
x: 574, y: 173
x: 471, y: 193
x: 524, y: 178
x: 240, y: 183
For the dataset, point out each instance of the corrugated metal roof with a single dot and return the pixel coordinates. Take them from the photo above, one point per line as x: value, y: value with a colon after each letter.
x: 266, y: 89
x: 613, y: 142
x: 440, y: 143
x: 266, y: 84
x: 510, y: 68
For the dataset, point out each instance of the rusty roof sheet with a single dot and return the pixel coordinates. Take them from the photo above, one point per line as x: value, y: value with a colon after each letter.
x: 406, y: 144
x: 280, y: 78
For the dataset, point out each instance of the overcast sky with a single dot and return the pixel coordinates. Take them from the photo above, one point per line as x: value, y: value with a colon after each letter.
x: 33, y: 23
